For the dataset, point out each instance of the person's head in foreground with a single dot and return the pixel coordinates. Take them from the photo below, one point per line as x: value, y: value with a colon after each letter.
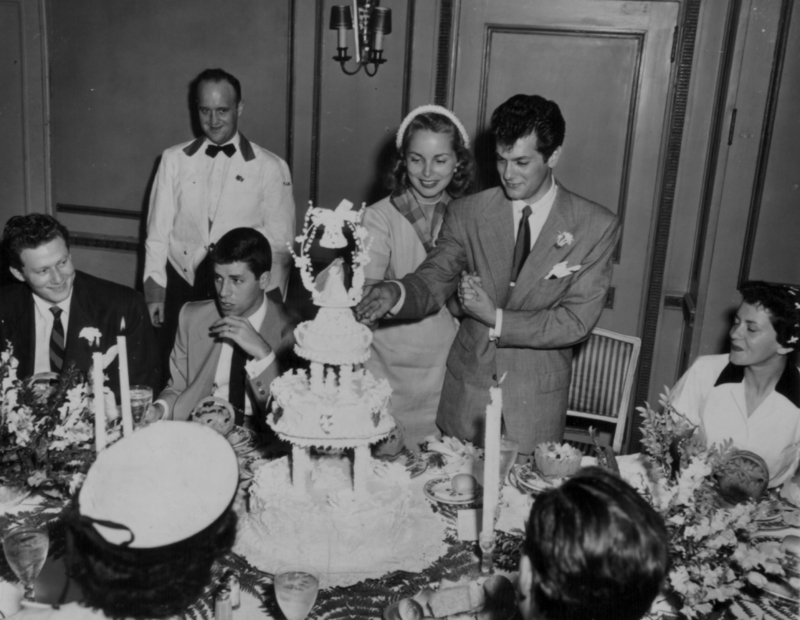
x: 766, y: 328
x: 528, y: 131
x: 36, y: 250
x: 218, y: 96
x: 242, y: 261
x: 594, y: 550
x: 153, y: 514
x: 432, y: 155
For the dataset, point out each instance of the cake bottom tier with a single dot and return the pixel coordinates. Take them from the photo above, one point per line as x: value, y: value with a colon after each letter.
x: 326, y: 526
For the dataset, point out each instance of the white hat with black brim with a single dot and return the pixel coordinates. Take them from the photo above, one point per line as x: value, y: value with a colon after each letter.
x: 160, y: 485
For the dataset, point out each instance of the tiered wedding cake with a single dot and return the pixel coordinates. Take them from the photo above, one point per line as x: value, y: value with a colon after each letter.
x: 335, y: 508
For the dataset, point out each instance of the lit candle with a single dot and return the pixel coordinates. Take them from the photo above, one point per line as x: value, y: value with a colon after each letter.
x: 124, y: 381
x: 99, y: 404
x: 491, y: 460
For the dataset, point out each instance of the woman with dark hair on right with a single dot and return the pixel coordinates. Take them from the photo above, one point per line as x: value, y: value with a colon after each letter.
x: 594, y: 548
x: 752, y: 395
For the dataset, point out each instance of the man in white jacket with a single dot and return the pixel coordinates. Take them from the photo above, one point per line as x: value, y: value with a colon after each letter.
x: 203, y: 189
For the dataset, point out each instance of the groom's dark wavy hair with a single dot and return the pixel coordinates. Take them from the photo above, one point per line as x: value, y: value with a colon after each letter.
x: 523, y: 115
x: 243, y: 245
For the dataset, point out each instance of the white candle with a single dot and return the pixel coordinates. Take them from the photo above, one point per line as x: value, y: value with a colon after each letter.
x: 99, y: 404
x: 124, y: 381
x: 491, y: 462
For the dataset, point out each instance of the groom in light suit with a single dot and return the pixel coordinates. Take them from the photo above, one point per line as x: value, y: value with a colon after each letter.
x: 235, y: 346
x: 531, y: 262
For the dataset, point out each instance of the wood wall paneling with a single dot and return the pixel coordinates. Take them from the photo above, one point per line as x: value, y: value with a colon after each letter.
x: 24, y: 159
x: 120, y: 75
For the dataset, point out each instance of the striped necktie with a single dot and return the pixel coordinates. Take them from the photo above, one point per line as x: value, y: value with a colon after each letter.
x: 56, y: 341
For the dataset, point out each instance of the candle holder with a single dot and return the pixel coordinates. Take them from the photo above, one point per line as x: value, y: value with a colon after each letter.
x: 372, y: 23
x: 487, y: 544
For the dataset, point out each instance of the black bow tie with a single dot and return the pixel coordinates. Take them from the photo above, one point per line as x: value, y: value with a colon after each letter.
x: 213, y: 149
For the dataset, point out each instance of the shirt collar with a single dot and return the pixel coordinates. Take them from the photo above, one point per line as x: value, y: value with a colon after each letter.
x: 257, y: 318
x: 43, y: 306
x: 544, y: 201
x: 788, y: 385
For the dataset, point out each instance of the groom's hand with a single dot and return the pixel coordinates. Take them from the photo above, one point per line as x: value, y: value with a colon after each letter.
x: 377, y: 301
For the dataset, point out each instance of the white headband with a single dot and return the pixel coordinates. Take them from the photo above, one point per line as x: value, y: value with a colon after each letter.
x: 424, y: 109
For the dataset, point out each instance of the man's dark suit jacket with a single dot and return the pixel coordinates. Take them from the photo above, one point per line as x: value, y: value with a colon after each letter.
x: 95, y: 303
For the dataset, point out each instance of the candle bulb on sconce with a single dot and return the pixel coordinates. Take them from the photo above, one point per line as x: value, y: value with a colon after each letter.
x: 372, y: 24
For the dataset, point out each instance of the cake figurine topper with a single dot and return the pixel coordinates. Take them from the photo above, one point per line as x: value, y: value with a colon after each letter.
x: 328, y: 288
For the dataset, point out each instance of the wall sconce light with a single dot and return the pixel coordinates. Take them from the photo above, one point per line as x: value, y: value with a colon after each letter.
x: 372, y: 24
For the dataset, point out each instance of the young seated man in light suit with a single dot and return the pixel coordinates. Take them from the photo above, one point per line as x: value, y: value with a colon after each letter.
x: 43, y: 314
x: 531, y: 262
x: 234, y: 346
x: 594, y: 548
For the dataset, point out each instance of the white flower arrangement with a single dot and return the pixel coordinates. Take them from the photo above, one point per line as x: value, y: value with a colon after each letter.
x: 711, y: 557
x: 46, y: 436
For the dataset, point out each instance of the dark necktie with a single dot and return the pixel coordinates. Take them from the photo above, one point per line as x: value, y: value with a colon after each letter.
x: 213, y: 149
x: 56, y: 341
x: 523, y: 245
x: 236, y: 383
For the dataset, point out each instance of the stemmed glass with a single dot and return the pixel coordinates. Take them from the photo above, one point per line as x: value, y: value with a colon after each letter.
x: 26, y: 549
x: 296, y: 589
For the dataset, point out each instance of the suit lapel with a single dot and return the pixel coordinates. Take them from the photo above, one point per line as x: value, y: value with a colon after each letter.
x: 545, y: 253
x: 497, y: 242
x: 80, y: 317
x: 27, y: 358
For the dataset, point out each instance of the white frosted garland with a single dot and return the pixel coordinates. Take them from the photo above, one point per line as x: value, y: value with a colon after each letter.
x: 424, y: 109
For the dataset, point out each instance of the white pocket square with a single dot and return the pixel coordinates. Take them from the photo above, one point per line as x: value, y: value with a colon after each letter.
x: 560, y: 270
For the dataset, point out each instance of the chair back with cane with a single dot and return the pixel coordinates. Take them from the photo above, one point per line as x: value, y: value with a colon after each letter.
x: 603, y: 369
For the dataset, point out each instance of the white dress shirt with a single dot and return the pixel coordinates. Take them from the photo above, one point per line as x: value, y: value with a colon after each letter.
x: 253, y: 368
x: 217, y: 173
x: 539, y: 212
x: 43, y: 320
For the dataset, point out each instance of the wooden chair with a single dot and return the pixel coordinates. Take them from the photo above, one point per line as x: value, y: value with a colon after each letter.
x: 602, y: 379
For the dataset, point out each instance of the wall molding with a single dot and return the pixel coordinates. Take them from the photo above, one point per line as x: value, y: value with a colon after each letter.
x: 680, y: 95
x: 765, y: 142
x: 98, y: 211
x: 104, y: 242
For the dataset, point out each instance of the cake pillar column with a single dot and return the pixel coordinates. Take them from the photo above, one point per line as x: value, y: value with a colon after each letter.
x: 360, y: 469
x: 300, y: 465
x: 346, y: 379
x: 317, y: 377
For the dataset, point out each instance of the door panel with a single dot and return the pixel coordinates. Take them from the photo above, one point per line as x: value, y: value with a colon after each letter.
x: 608, y: 66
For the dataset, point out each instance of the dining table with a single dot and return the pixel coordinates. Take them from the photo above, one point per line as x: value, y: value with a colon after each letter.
x: 369, y: 598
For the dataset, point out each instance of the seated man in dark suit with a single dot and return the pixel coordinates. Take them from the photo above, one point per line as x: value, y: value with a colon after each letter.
x: 43, y: 315
x: 594, y: 548
x: 235, y: 346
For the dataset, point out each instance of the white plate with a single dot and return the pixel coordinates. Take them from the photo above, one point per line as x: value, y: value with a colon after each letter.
x: 441, y: 490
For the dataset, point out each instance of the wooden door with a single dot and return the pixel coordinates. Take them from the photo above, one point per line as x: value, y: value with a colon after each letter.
x: 608, y: 65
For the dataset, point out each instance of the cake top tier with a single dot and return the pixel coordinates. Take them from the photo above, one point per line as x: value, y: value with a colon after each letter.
x: 328, y: 289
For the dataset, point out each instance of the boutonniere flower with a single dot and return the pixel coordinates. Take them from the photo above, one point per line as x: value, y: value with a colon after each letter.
x: 793, y: 339
x: 564, y: 238
x: 92, y: 335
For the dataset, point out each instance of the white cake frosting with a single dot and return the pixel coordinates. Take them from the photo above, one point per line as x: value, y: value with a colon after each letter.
x: 350, y: 521
x: 346, y: 537
x: 332, y: 415
x: 333, y: 337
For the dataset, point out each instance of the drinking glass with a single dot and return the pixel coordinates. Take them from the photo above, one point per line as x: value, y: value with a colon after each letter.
x: 141, y: 399
x: 296, y: 589
x: 508, y: 456
x: 26, y: 548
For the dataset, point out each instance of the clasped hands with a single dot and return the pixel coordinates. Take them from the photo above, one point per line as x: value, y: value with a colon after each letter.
x: 382, y: 297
